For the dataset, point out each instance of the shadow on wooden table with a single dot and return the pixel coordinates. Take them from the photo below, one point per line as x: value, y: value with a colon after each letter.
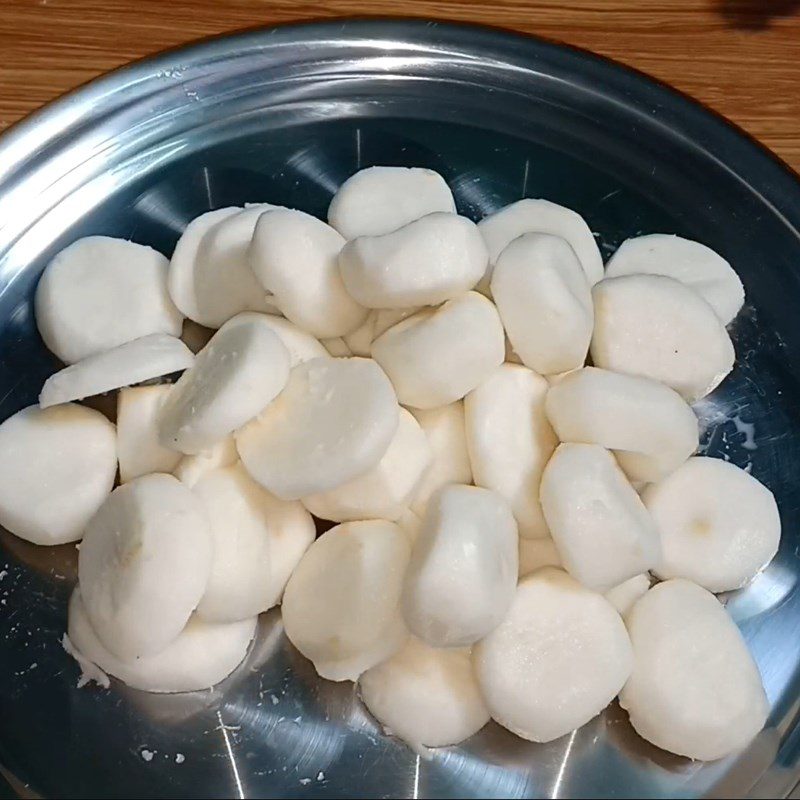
x: 755, y: 14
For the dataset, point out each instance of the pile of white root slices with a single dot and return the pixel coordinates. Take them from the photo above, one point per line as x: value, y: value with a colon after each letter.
x: 502, y: 509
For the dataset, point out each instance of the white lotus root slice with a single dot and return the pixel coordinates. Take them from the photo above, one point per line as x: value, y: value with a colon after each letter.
x: 542, y: 216
x: 535, y: 554
x: 138, y: 447
x: 210, y: 279
x: 651, y: 428
x: 435, y: 357
x: 302, y: 346
x: 143, y: 565
x: 510, y: 441
x: 695, y: 689
x: 332, y: 423
x: 57, y: 468
x: 191, y: 469
x: 689, y: 262
x: 341, y: 605
x: 426, y: 696
x: 236, y: 375
x: 556, y: 661
x: 659, y: 328
x: 719, y: 525
x: 600, y: 526
x: 258, y: 540
x: 445, y: 431
x: 424, y: 263
x: 133, y: 362
x: 624, y: 596
x: 101, y: 292
x: 378, y: 200
x: 545, y: 302
x: 463, y: 568
x: 202, y: 654
x: 295, y: 257
x: 384, y: 491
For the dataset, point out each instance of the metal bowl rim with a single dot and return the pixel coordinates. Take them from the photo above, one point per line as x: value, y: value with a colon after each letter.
x: 688, y: 119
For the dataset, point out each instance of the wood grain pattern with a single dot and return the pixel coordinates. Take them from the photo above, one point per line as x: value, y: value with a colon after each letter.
x: 738, y: 56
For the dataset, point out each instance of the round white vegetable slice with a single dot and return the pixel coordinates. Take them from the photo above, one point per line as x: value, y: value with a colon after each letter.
x: 424, y: 263
x: 138, y: 447
x: 192, y: 468
x: 650, y: 426
x: 545, y: 302
x: 295, y: 257
x: 428, y: 697
x: 602, y: 530
x: 332, y: 422
x: 510, y: 441
x: 133, y: 362
x: 101, y: 292
x: 144, y: 564
x: 341, y: 605
x: 182, y: 280
x: 446, y: 434
x: 57, y: 468
x: 249, y: 526
x: 537, y: 553
x: 378, y: 200
x: 463, y: 568
x: 302, y: 346
x: 436, y: 357
x: 689, y: 262
x: 210, y: 279
x: 624, y: 596
x: 695, y: 689
x: 719, y: 525
x: 657, y: 327
x: 234, y: 377
x: 200, y: 656
x: 542, y: 216
x: 557, y: 659
x: 384, y: 491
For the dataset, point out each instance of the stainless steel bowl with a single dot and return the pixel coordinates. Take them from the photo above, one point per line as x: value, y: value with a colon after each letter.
x: 285, y: 115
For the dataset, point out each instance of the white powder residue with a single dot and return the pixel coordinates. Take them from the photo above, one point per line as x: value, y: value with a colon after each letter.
x: 712, y: 416
x: 180, y: 758
x: 89, y: 670
x: 320, y: 776
x: 305, y: 781
x: 147, y: 755
x: 3, y: 573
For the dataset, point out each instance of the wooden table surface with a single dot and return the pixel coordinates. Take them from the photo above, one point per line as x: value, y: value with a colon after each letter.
x: 738, y: 56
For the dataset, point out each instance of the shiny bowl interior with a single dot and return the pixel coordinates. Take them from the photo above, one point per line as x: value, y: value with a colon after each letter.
x: 285, y: 115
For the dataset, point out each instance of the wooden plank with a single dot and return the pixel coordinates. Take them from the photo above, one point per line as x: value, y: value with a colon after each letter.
x: 737, y: 56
